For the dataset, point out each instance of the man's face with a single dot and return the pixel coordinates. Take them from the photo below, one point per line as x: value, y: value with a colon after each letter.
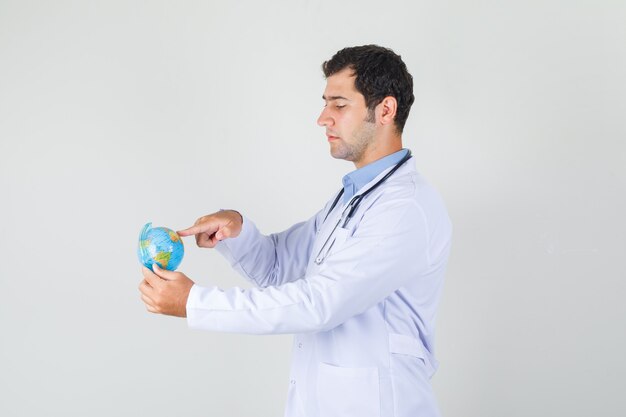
x: 350, y: 127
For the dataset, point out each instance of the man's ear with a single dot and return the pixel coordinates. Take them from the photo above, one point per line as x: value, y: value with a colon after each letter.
x: 388, y: 109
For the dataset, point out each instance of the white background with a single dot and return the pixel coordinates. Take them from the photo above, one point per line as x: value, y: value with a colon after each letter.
x: 116, y: 113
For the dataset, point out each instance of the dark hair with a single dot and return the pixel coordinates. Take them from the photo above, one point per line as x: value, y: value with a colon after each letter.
x: 380, y: 73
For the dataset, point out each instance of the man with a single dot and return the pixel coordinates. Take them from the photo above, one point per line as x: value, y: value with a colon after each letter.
x: 359, y: 282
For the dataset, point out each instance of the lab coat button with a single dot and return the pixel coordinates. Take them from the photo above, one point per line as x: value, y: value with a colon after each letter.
x: 292, y: 382
x: 299, y: 345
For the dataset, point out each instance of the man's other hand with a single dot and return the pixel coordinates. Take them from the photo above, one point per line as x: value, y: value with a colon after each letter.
x: 165, y: 292
x: 212, y: 228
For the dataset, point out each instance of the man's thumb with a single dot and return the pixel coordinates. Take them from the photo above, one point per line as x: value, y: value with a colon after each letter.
x: 223, y: 233
x: 163, y: 273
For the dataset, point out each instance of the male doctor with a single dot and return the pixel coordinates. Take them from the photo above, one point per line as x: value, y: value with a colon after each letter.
x: 359, y: 282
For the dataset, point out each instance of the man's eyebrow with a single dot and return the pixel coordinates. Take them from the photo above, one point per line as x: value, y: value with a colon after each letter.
x: 331, y: 98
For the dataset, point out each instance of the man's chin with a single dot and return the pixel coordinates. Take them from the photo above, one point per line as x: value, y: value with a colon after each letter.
x: 339, y: 153
x: 335, y: 151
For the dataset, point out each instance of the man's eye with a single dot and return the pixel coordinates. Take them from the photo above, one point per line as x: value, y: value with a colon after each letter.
x: 340, y: 106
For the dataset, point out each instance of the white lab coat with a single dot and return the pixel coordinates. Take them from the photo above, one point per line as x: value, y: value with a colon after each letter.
x: 363, y: 319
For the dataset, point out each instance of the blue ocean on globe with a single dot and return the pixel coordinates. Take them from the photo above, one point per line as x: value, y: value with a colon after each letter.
x: 160, y: 245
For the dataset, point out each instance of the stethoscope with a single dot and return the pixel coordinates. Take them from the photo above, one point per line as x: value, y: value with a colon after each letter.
x: 351, y: 208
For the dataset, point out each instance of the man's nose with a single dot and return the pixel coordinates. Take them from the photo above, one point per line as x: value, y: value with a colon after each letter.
x: 325, y: 119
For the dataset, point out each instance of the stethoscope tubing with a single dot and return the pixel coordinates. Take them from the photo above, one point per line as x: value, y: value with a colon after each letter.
x: 351, y: 208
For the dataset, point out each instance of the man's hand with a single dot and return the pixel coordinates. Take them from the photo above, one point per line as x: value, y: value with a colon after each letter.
x: 165, y: 292
x: 212, y: 228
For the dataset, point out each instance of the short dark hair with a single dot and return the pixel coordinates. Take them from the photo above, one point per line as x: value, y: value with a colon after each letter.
x: 380, y: 73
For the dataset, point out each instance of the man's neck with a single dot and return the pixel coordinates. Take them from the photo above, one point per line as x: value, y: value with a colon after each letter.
x: 379, y: 150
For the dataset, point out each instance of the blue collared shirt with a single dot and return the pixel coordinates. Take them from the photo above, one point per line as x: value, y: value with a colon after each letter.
x: 355, y: 180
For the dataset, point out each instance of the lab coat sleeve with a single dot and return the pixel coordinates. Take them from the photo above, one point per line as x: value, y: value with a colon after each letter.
x: 270, y: 260
x: 389, y: 248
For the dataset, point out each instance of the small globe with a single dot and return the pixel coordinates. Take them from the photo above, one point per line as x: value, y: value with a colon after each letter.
x: 160, y: 245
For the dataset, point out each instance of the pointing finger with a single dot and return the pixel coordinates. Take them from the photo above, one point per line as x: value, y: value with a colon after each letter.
x: 202, y: 226
x: 193, y: 230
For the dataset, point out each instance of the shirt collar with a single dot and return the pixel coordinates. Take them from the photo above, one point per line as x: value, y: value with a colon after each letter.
x: 355, y: 180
